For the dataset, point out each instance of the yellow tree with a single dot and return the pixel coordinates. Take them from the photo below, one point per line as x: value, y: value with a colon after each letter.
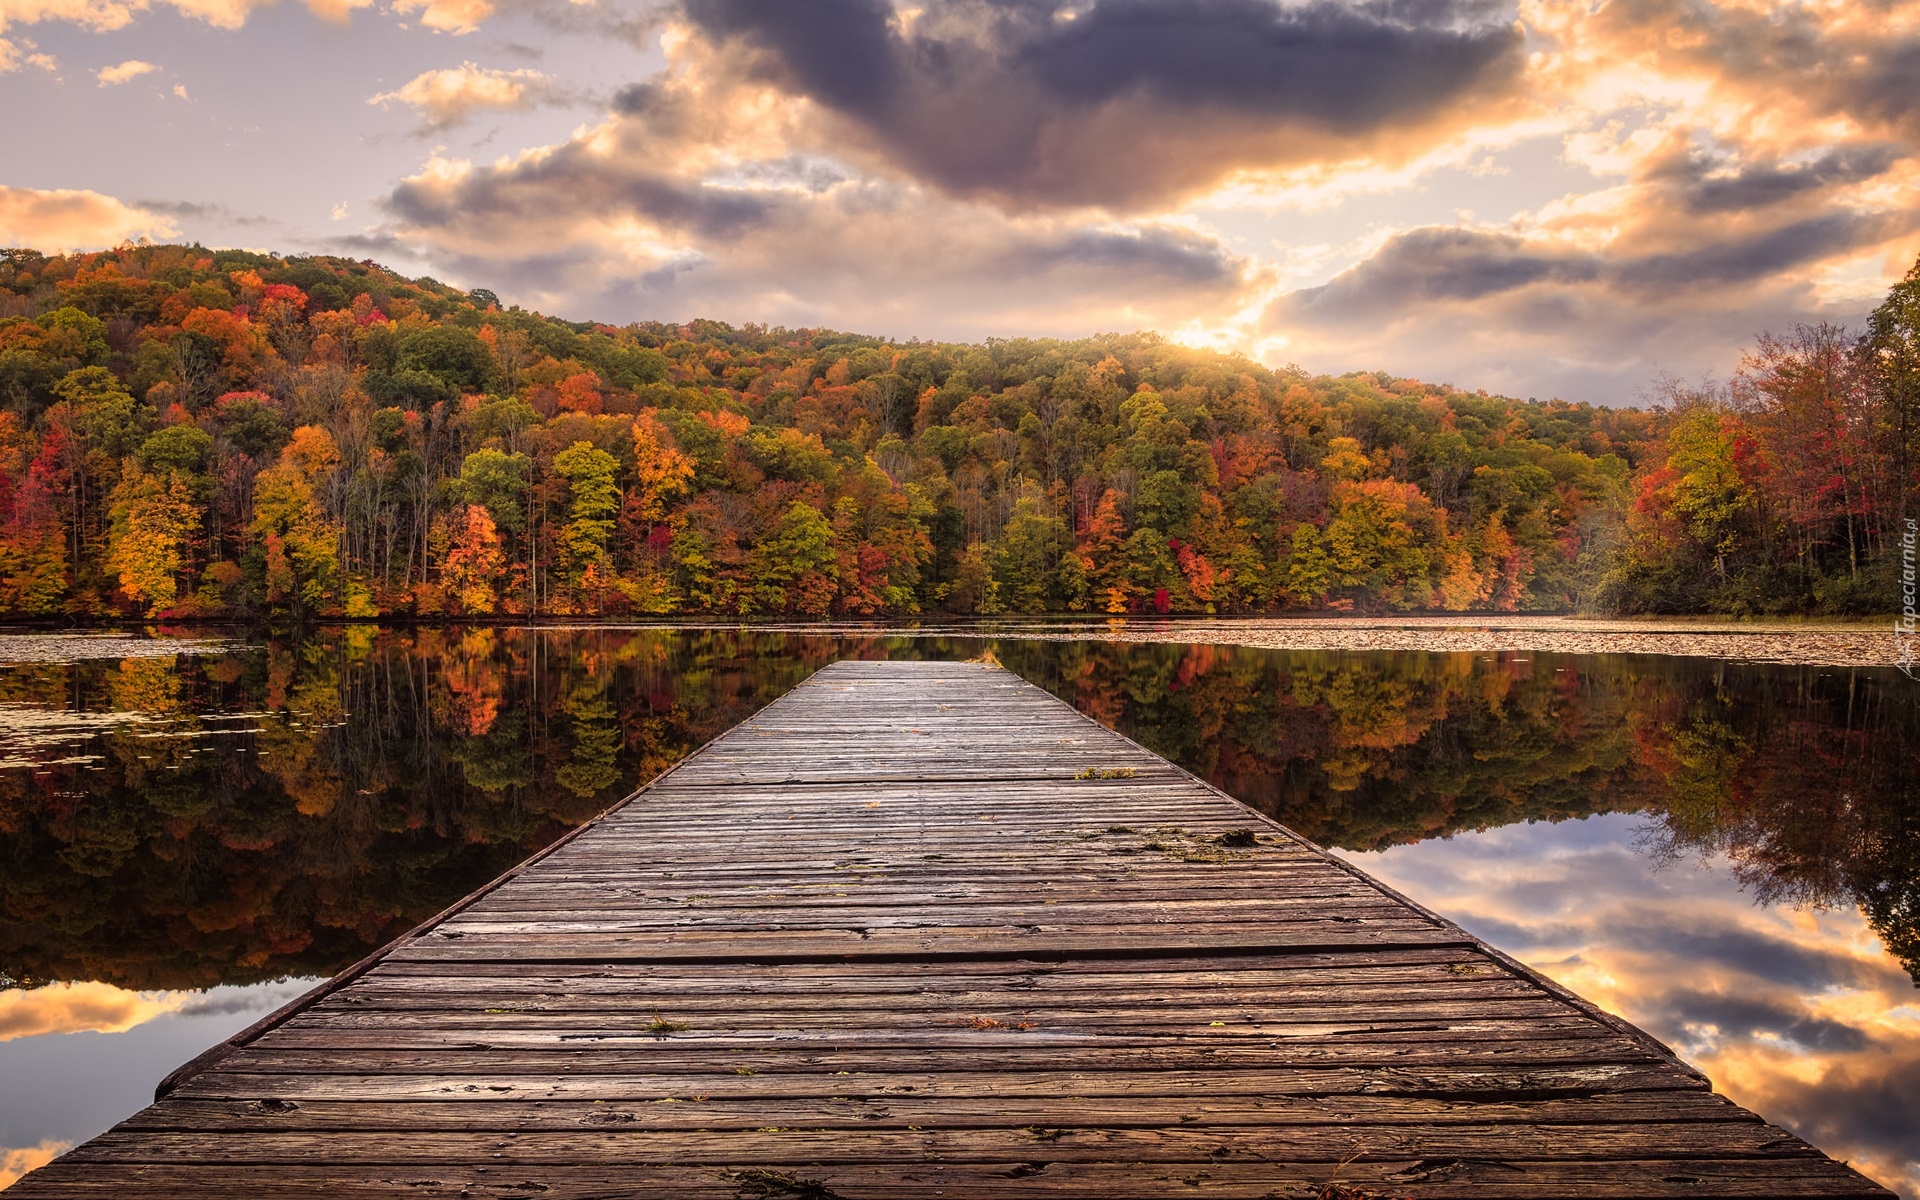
x: 154, y: 520
x: 302, y: 543
x: 662, y: 472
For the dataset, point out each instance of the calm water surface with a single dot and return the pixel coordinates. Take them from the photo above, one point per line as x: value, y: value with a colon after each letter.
x: 1728, y: 855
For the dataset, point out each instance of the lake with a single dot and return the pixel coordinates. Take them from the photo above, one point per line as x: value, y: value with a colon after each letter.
x: 194, y: 829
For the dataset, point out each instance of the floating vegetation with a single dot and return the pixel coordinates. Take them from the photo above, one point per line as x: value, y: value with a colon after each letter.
x: 1184, y: 844
x: 760, y: 1183
x: 81, y: 647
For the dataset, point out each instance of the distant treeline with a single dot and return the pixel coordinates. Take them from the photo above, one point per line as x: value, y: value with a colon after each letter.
x: 197, y: 433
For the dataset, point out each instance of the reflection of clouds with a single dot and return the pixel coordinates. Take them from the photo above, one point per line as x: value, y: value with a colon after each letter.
x: 1801, y: 1016
x: 81, y: 1008
x: 18, y: 1160
x: 60, y: 1090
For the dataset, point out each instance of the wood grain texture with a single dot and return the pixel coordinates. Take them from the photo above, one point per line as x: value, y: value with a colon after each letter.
x: 919, y: 929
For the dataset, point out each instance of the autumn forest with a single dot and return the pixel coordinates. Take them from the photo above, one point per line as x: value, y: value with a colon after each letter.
x: 217, y: 434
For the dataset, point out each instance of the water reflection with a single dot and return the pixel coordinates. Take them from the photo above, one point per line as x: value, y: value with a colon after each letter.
x: 1796, y: 1013
x: 246, y: 815
x: 1803, y: 778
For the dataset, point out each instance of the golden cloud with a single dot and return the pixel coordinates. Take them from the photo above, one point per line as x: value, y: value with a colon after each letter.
x: 66, y: 219
x: 105, y: 16
x: 17, y: 53
x: 450, y: 95
x: 133, y: 68
x: 448, y: 16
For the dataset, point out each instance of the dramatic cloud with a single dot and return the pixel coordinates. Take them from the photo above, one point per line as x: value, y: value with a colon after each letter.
x: 449, y: 96
x: 1743, y: 185
x: 596, y: 222
x: 1123, y: 103
x: 70, y: 220
x: 1526, y: 195
x: 133, y: 68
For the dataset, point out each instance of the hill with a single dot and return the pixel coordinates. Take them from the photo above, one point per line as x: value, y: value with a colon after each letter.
x: 217, y: 433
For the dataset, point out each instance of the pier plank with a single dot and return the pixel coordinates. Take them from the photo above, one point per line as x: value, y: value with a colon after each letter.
x: 920, y: 929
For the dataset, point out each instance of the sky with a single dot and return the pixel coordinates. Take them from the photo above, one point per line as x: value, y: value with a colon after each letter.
x: 1552, y: 198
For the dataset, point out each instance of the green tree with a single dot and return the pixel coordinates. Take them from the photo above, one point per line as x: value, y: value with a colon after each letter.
x: 594, y: 500
x: 497, y: 482
x: 1893, y: 353
x: 1028, y: 557
x: 797, y: 566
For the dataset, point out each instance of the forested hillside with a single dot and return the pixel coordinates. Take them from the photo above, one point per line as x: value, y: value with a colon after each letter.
x: 197, y: 433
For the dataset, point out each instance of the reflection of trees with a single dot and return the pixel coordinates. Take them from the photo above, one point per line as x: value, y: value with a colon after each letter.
x: 392, y: 772
x: 1807, y: 783
x: 1804, y: 780
x: 385, y: 775
x: 1364, y: 752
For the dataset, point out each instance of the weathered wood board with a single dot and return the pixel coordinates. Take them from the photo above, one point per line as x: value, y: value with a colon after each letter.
x: 920, y: 929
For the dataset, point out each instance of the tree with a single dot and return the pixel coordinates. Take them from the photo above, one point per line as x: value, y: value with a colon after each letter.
x: 155, y: 519
x: 662, y: 473
x: 1027, y: 559
x: 299, y: 541
x: 594, y: 499
x: 1892, y: 349
x: 797, y: 566
x: 474, y: 561
x: 1707, y: 491
x: 498, y: 483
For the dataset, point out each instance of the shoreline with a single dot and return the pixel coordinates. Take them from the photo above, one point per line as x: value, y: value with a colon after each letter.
x: 1801, y: 642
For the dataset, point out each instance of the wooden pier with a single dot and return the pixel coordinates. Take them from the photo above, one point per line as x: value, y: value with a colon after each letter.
x: 921, y: 930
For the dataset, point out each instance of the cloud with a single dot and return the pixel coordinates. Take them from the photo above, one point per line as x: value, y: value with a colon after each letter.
x: 81, y: 1008
x: 65, y: 219
x: 448, y: 16
x: 101, y: 16
x: 1701, y: 241
x: 15, y: 54
x: 964, y: 166
x: 105, y: 16
x: 597, y: 224
x: 702, y: 194
x: 133, y: 68
x: 451, y: 95
x: 1121, y: 104
x: 18, y: 1160
x: 336, y: 11
x: 195, y: 211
